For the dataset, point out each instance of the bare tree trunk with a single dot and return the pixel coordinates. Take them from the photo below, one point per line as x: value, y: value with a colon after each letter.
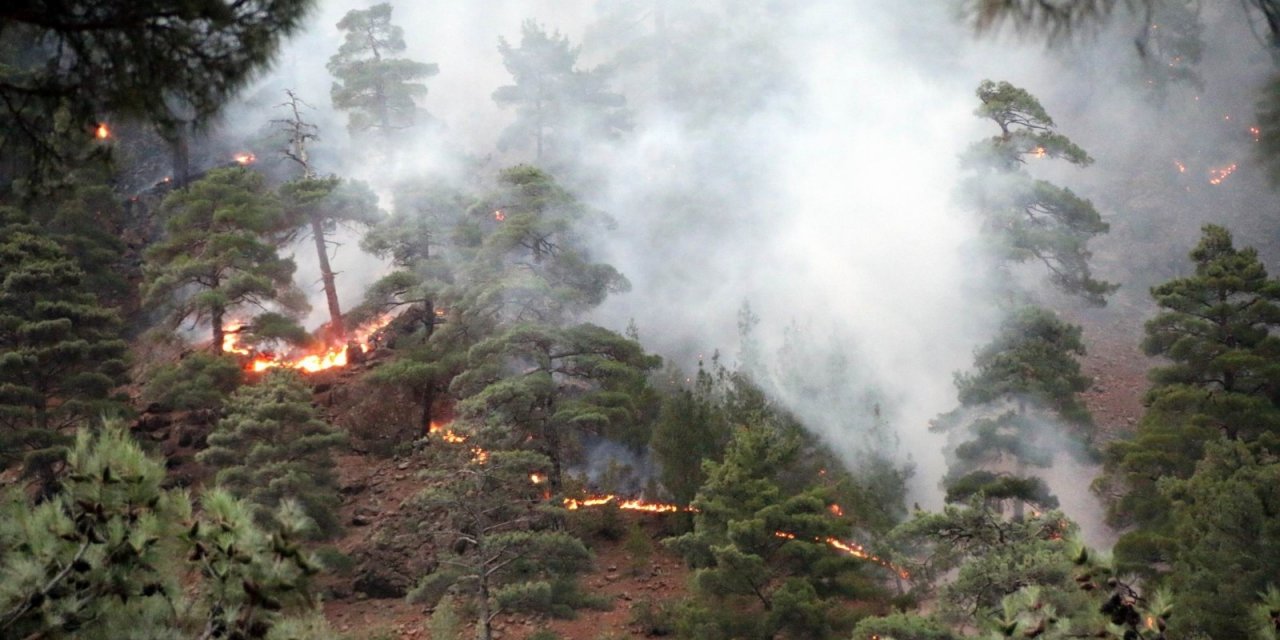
x: 336, y: 329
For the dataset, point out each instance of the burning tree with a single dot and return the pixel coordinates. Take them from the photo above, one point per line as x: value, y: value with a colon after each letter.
x: 1025, y: 219
x: 498, y: 549
x: 219, y: 252
x: 378, y: 90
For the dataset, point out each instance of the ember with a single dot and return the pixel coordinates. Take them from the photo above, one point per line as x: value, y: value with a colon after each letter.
x: 102, y: 132
x: 245, y: 158
x: 1216, y: 176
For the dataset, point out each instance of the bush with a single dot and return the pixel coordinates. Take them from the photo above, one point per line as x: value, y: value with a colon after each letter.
x: 445, y: 621
x: 654, y: 618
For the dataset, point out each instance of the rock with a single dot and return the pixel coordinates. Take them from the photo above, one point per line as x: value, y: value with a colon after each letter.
x: 149, y: 422
x: 354, y: 486
x: 364, y: 515
x: 379, y: 585
x: 403, y: 465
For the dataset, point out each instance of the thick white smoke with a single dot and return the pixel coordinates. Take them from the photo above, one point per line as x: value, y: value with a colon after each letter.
x: 813, y: 177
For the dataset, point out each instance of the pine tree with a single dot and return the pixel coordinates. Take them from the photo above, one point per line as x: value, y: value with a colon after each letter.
x: 380, y: 91
x: 515, y: 387
x: 61, y: 352
x: 499, y: 552
x: 421, y: 238
x: 272, y: 447
x: 554, y: 100
x: 1026, y: 380
x: 690, y: 429
x: 115, y: 555
x: 1025, y: 219
x: 532, y: 262
x: 1223, y: 379
x: 1226, y: 539
x: 764, y: 566
x: 219, y: 252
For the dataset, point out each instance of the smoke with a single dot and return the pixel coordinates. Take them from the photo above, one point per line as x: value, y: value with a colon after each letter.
x: 802, y: 157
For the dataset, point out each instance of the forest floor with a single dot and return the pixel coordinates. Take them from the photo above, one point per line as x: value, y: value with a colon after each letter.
x: 374, y: 512
x: 381, y: 545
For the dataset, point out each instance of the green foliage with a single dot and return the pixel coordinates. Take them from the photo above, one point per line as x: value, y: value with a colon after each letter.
x: 510, y: 387
x: 1024, y: 219
x: 690, y: 430
x: 993, y: 556
x: 219, y: 253
x: 61, y: 352
x: 445, y: 623
x: 655, y: 618
x: 1266, y: 615
x: 496, y: 550
x: 380, y: 91
x: 1227, y: 532
x: 199, y: 381
x: 1025, y: 380
x: 763, y: 583
x: 63, y: 67
x: 639, y: 549
x: 555, y: 102
x: 1214, y: 329
x: 113, y: 555
x: 272, y: 447
x: 902, y: 626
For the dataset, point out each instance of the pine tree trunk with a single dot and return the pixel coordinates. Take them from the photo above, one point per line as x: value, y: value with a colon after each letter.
x: 181, y: 157
x: 428, y: 399
x: 483, y: 629
x: 218, y: 332
x: 336, y: 329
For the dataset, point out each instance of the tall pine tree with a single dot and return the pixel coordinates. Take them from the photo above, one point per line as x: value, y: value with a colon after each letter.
x: 378, y: 90
x: 61, y: 351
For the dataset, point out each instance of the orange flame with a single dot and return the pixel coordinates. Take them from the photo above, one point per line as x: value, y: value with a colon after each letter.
x: 836, y: 510
x: 446, y: 434
x: 537, y: 478
x: 333, y: 357
x: 499, y: 215
x: 102, y: 132
x: 1039, y: 152
x: 245, y: 158
x: 852, y: 548
x: 633, y: 504
x: 1182, y: 168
